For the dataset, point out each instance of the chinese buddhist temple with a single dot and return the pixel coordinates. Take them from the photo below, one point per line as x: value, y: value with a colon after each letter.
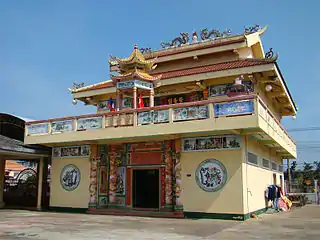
x: 190, y: 130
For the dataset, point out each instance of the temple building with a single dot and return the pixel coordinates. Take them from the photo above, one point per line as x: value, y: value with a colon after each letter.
x: 190, y: 130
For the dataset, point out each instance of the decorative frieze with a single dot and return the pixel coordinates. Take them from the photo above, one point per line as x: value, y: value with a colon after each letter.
x: 62, y: 126
x: 160, y: 116
x: 211, y: 143
x: 135, y: 83
x: 71, y: 151
x: 190, y: 113
x: 89, y: 123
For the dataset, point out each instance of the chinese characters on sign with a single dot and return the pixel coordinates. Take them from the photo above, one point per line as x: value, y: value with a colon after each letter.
x: 135, y: 83
x: 233, y: 108
x: 70, y: 177
x: 211, y: 175
x: 175, y: 100
x: 72, y: 151
x: 211, y: 143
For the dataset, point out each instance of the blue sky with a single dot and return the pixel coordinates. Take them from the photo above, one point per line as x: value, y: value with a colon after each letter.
x: 46, y: 45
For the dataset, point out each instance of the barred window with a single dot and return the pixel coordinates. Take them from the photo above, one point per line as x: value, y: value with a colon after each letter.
x: 280, y: 168
x: 252, y: 158
x: 274, y: 166
x: 265, y: 163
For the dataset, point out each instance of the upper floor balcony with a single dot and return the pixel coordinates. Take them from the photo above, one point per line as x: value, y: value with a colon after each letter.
x: 243, y: 115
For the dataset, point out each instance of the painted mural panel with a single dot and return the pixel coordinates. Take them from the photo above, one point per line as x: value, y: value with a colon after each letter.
x: 120, y: 198
x: 103, y: 201
x: 211, y: 175
x: 233, y: 108
x: 89, y: 123
x: 62, y: 126
x: 198, y: 112
x: 211, y: 143
x: 161, y: 116
x: 106, y: 106
x: 40, y: 128
x: 221, y: 89
x: 144, y: 117
x: 71, y: 151
x: 127, y: 103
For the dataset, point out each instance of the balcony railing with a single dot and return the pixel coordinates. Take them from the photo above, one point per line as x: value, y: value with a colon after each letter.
x: 151, y: 115
x: 165, y: 114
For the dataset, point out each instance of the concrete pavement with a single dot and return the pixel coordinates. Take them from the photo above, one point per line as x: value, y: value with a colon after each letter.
x: 301, y: 223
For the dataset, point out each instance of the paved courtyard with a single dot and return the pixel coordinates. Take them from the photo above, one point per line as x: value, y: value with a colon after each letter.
x: 301, y: 223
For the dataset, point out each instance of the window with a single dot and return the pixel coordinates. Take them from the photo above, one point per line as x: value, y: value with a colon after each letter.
x: 280, y: 168
x: 252, y: 158
x: 274, y: 166
x: 265, y: 163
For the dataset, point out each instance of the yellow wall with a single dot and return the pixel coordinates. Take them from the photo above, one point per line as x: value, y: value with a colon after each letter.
x: 259, y: 88
x: 78, y: 198
x: 257, y: 178
x: 228, y: 199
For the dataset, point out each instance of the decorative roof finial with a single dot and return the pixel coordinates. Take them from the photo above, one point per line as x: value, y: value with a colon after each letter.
x: 136, y: 46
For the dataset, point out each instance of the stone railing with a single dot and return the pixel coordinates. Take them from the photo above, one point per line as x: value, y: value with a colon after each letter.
x: 191, y: 111
x: 266, y: 114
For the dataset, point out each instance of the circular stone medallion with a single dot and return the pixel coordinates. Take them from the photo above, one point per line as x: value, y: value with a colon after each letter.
x: 70, y: 177
x: 211, y: 175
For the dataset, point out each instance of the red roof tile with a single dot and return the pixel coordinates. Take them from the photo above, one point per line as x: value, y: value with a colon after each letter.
x: 196, y: 70
x: 213, y: 68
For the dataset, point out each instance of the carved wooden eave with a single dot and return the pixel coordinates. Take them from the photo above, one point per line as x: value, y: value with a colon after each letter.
x: 108, y: 82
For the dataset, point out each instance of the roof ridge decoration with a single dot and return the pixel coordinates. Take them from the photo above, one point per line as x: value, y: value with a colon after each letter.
x: 135, y: 57
x: 269, y: 57
x: 134, y: 66
x: 206, y: 35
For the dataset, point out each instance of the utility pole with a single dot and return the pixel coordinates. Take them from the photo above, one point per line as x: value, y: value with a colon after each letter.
x: 289, y: 176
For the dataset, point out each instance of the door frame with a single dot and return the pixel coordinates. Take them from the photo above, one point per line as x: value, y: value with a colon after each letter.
x: 137, y: 168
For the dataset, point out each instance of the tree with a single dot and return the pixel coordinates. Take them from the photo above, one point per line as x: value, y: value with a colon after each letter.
x: 293, y: 169
x: 317, y: 170
x: 307, y: 171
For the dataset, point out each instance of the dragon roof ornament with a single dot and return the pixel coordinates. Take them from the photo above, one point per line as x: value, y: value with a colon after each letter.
x: 206, y: 35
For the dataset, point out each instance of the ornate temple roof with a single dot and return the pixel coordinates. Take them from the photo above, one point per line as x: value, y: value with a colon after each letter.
x: 240, y: 63
x: 136, y: 59
x: 135, y: 74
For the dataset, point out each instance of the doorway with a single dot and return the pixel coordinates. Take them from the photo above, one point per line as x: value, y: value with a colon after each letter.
x: 146, y: 188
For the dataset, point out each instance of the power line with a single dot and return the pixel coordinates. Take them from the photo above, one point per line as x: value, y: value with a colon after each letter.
x: 303, y: 129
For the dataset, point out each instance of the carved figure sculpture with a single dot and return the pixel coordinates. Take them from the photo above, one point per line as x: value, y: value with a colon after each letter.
x: 252, y: 29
